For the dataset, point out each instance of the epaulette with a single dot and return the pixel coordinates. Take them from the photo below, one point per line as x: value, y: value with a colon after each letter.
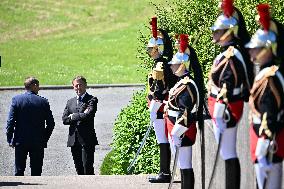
x: 266, y: 72
x: 159, y: 67
x: 263, y: 80
x: 229, y: 52
x: 185, y: 80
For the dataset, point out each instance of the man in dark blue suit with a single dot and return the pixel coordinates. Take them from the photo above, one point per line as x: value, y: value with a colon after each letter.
x: 79, y: 113
x: 26, y: 130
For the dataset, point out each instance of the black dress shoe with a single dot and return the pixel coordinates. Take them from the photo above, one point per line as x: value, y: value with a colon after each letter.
x: 160, y: 178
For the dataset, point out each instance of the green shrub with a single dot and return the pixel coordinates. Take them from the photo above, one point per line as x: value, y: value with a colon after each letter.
x: 129, y: 129
x: 107, y: 164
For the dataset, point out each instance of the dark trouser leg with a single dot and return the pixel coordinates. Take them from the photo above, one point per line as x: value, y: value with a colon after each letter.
x: 187, y: 178
x: 77, y: 157
x: 36, y: 160
x: 165, y: 161
x: 165, y: 158
x: 21, y: 153
x: 182, y: 178
x: 88, y: 160
x: 233, y: 173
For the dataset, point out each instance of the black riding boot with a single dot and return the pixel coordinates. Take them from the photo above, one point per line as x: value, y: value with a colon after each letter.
x: 233, y: 173
x: 187, y: 178
x: 165, y: 160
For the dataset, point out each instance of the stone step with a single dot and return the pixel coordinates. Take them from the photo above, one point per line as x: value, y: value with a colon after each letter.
x: 78, y: 182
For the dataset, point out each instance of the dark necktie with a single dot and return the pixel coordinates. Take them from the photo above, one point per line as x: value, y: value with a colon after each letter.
x: 79, y: 100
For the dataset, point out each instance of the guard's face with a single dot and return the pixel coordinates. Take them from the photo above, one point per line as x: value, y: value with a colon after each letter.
x: 253, y: 54
x: 222, y: 37
x: 176, y: 69
x: 153, y: 52
x: 79, y: 86
x: 217, y: 34
x: 260, y: 55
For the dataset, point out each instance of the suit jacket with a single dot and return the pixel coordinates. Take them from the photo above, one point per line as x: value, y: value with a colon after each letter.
x: 29, y: 113
x: 82, y: 122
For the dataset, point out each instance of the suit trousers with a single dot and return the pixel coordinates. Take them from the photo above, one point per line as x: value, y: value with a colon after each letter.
x: 83, y: 157
x: 36, y: 154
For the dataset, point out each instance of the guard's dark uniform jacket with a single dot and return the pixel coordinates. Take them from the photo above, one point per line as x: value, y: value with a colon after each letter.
x: 229, y: 68
x: 182, y: 108
x: 160, y: 82
x: 267, y: 97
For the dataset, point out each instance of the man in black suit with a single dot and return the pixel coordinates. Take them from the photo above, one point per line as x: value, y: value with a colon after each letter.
x: 26, y: 131
x: 79, y: 113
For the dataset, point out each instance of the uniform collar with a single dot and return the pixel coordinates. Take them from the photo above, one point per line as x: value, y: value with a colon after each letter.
x: 184, y: 75
x: 160, y: 59
x: 227, y: 45
x: 268, y: 64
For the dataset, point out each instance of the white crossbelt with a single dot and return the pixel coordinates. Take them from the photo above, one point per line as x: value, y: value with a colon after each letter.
x: 215, y: 90
x: 173, y: 113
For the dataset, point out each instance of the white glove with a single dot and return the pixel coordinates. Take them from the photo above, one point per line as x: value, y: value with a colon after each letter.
x: 261, y: 147
x: 176, y: 140
x: 221, y: 124
x: 155, y: 105
x: 219, y: 110
x: 153, y: 116
x: 178, y: 130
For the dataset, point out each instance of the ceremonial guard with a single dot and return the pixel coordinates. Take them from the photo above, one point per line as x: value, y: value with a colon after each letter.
x: 229, y: 84
x: 183, y: 107
x: 160, y: 80
x: 267, y: 101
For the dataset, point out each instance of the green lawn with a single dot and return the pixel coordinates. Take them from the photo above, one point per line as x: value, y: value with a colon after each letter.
x: 56, y: 40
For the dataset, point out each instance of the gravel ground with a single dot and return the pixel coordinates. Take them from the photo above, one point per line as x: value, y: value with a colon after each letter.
x: 58, y: 159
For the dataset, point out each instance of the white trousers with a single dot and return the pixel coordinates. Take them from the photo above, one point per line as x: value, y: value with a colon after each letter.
x: 273, y: 177
x: 228, y: 148
x: 184, y: 157
x: 160, y: 131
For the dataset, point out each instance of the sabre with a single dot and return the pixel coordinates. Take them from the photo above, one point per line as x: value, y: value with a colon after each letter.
x: 206, y: 114
x: 174, y: 168
x: 140, y: 148
x: 215, y: 161
x: 272, y: 149
x: 223, y: 93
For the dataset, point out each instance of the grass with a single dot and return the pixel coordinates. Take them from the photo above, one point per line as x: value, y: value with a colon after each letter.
x: 56, y: 40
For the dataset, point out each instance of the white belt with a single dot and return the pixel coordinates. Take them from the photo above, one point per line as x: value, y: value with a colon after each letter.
x: 215, y: 90
x: 173, y: 113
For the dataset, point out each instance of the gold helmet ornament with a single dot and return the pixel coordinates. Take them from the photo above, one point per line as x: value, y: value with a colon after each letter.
x: 156, y: 42
x: 266, y: 36
x: 182, y: 56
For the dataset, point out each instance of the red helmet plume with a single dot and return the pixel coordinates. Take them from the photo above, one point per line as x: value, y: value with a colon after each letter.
x: 264, y: 16
x: 154, y: 27
x: 228, y: 7
x: 183, y: 42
